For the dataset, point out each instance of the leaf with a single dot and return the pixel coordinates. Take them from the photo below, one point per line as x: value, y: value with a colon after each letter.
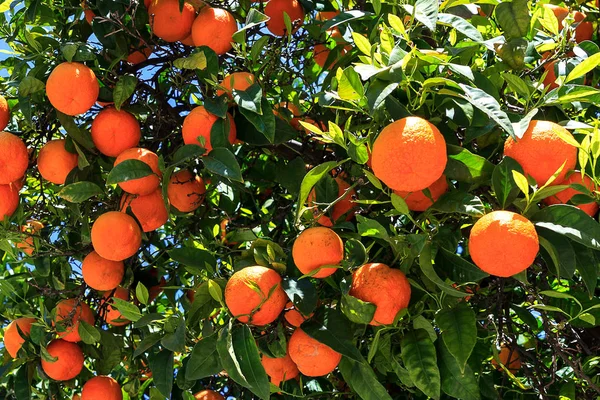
x: 456, y: 382
x: 241, y: 360
x: 302, y: 293
x: 127, y: 309
x: 79, y: 135
x: 175, y: 341
x: 371, y: 228
x: 124, y: 88
x: 427, y: 269
x: 161, y: 365
x: 265, y: 122
x: 426, y: 12
x: 584, y: 67
x: 249, y: 99
x: 587, y: 266
x: 349, y: 85
x: 30, y: 85
x: 459, y: 331
x: 420, y: 359
x: 196, y: 60
x: 461, y: 25
x: 204, y: 359
x: 146, y: 344
x: 88, y: 333
x: 489, y: 105
x: 197, y: 259
x: 568, y: 94
x: 465, y: 166
x: 461, y: 202
x: 458, y: 269
x: 357, y: 311
x: 503, y: 182
x: 22, y: 383
x: 362, y: 380
x: 128, y: 170
x: 222, y: 162
x: 571, y: 222
x: 79, y: 192
x: 521, y: 182
x: 560, y: 251
x: 513, y: 52
x: 514, y: 18
x: 310, y: 180
x: 5, y: 6
x: 362, y: 43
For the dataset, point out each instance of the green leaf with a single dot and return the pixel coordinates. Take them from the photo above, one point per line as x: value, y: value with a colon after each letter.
x: 427, y: 269
x: 127, y: 309
x: 240, y: 358
x: 420, y: 359
x: 204, y: 360
x: 124, y: 88
x: 456, y: 382
x: 362, y: 43
x: 79, y: 192
x: 489, y: 105
x: 584, y: 67
x: 513, y: 52
x: 128, y: 170
x: 459, y: 331
x: 362, y: 380
x: 249, y: 99
x: 357, y: 311
x: 559, y: 250
x: 310, y: 180
x: 215, y: 291
x: 349, y: 85
x: 458, y: 269
x: 161, y: 365
x: 503, y: 182
x: 222, y: 162
x: 265, y: 122
x: 141, y: 292
x: 196, y: 60
x: 461, y: 25
x: 426, y: 12
x: 461, y: 202
x: 371, y: 228
x: 88, y: 333
x: 81, y: 136
x: 521, y: 182
x: 587, y: 266
x: 175, y: 341
x: 197, y: 260
x: 30, y: 85
x: 571, y: 222
x: 399, y: 204
x: 514, y: 18
x: 5, y: 6
x: 465, y: 166
x: 22, y: 383
x: 568, y: 94
x: 302, y: 293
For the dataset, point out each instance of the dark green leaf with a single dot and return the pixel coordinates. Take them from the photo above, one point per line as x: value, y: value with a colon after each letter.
x: 420, y: 359
x: 455, y: 382
x: 489, y: 105
x: 465, y: 166
x: 361, y: 379
x: 302, y: 293
x: 124, y: 88
x: 204, y: 360
x: 196, y: 259
x: 128, y: 170
x: 175, y: 341
x: 357, y: 311
x: 513, y: 18
x: 88, y: 333
x: 80, y: 191
x: 571, y: 222
x: 504, y: 184
x: 222, y: 162
x: 161, y: 365
x: 459, y: 202
x: 459, y: 331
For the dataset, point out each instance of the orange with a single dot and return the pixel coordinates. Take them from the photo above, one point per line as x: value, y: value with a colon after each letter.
x: 100, y: 273
x: 12, y: 338
x: 101, y: 387
x: 503, y: 243
x: 541, y: 151
x: 69, y: 362
x: 55, y: 162
x: 9, y: 201
x: 321, y: 51
x: 316, y: 247
x: 293, y: 109
x: 559, y: 12
x: 312, y: 357
x: 275, y: 10
x: 509, y: 357
x: 68, y: 314
x: 584, y: 29
x: 214, y: 27
x: 238, y: 81
x: 208, y: 395
x: 293, y: 316
x: 409, y: 154
x: 326, y: 15
x: 185, y: 190
x: 418, y: 201
x: 564, y: 196
x: 4, y: 113
x: 280, y: 369
x: 550, y: 79
x: 14, y: 158
x: 139, y: 56
x: 112, y: 315
x: 383, y: 286
x: 115, y: 131
x: 76, y: 397
x: 188, y: 41
x: 89, y: 14
x: 116, y: 236
x: 244, y: 301
x: 146, y: 184
x: 340, y: 208
x: 168, y: 22
x: 30, y: 228
x: 72, y: 88
x: 150, y: 210
x: 199, y: 122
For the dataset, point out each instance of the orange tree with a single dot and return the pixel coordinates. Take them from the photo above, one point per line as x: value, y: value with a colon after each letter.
x: 299, y: 199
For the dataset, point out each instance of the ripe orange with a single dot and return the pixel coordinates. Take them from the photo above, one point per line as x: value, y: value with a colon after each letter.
x: 383, y: 286
x: 12, y: 338
x: 294, y: 110
x: 185, y: 191
x: 199, y: 122
x: 116, y: 236
x: 27, y: 246
x: 14, y: 158
x: 242, y: 297
x: 321, y: 51
x: 585, y: 29
x: 559, y: 12
x: 342, y: 207
x: 214, y: 27
x: 115, y: 131
x: 208, y: 395
x: 101, y: 387
x: 76, y: 397
x: 100, y: 273
x: 188, y: 41
x: 293, y: 316
x: 68, y: 314
x: 9, y: 201
x: 550, y: 79
x: 275, y: 10
x: 312, y: 357
x: 280, y: 369
x: 510, y: 358
x: 564, y: 196
x: 150, y: 210
x: 112, y: 315
x: 503, y: 243
x: 238, y: 81
x: 168, y: 23
x: 89, y: 14
x: 418, y: 201
x: 55, y: 162
x: 541, y: 151
x: 4, y: 113
x: 326, y: 15
x: 409, y: 154
x: 69, y: 360
x: 139, y: 56
x: 147, y: 184
x: 316, y: 247
x: 72, y: 88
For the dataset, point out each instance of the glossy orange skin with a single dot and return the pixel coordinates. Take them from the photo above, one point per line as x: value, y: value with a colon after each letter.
x: 199, y: 122
x: 418, y: 201
x: 12, y: 338
x: 113, y: 316
x: 101, y: 388
x: 150, y: 210
x: 4, y: 113
x: 186, y: 191
x: 115, y: 131
x: 116, y: 236
x: 55, y: 162
x: 72, y: 88
x: 69, y: 312
x: 14, y: 158
x: 312, y: 358
x: 280, y: 369
x: 100, y: 273
x: 315, y: 248
x: 168, y: 22
x: 275, y: 9
x: 214, y: 27
x: 69, y: 361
